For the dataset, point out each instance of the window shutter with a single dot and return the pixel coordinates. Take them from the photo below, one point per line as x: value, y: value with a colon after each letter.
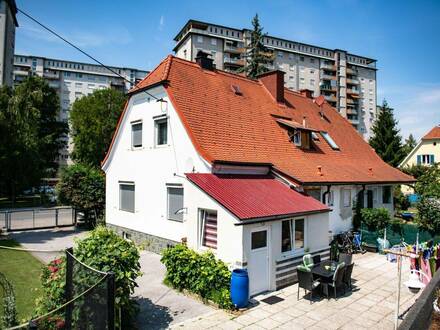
x: 136, y: 135
x: 210, y: 230
x: 126, y: 195
x: 175, y: 203
x: 419, y: 159
x: 432, y: 159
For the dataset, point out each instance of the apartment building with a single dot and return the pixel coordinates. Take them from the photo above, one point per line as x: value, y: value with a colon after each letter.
x: 8, y: 23
x: 73, y: 80
x: 347, y: 81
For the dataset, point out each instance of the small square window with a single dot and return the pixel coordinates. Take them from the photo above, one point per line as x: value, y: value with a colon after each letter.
x: 259, y: 239
x: 161, y: 128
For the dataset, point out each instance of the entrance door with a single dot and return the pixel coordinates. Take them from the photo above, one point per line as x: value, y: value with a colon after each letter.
x: 258, y: 263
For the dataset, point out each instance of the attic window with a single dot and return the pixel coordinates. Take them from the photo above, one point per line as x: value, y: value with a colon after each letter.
x: 315, y: 136
x: 236, y: 89
x: 330, y: 141
x: 301, y: 138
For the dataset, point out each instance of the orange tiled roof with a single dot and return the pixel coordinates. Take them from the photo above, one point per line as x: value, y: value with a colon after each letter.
x: 432, y: 134
x: 224, y: 126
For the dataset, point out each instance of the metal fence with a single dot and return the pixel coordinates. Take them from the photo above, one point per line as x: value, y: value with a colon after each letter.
x: 37, y: 218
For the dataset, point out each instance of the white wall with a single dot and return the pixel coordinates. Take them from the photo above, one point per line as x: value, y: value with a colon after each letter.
x: 150, y: 168
x: 229, y: 236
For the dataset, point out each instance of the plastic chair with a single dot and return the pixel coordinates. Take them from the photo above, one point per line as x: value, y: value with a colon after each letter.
x: 308, y: 261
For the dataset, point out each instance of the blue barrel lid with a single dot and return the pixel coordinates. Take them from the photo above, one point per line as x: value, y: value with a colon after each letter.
x: 240, y: 272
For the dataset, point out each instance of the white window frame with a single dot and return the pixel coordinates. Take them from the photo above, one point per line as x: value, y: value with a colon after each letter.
x: 158, y: 121
x: 127, y: 183
x: 174, y: 186
x: 346, y: 202
x: 294, y: 250
x: 297, y: 137
x: 133, y: 123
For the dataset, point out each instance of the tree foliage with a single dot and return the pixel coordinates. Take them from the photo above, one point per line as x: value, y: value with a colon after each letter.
x: 376, y: 219
x: 83, y: 187
x: 428, y: 184
x: 386, y: 140
x: 257, y: 55
x: 415, y: 170
x: 428, y: 187
x: 93, y: 120
x: 410, y: 144
x: 30, y: 134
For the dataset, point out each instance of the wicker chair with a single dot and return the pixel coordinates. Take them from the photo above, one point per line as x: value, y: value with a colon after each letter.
x: 337, y: 281
x: 306, y: 281
x: 347, y: 275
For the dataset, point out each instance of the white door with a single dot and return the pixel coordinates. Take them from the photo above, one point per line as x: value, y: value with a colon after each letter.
x: 258, y: 263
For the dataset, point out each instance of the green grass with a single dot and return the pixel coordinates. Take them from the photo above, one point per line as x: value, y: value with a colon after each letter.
x: 23, y: 271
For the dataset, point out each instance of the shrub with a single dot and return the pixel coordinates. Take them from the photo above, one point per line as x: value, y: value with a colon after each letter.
x: 401, y: 201
x: 83, y: 187
x: 199, y: 273
x: 106, y: 251
x: 429, y: 214
x: 9, y: 317
x: 376, y: 219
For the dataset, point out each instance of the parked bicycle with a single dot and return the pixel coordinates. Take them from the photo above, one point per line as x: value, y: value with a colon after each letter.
x: 350, y: 242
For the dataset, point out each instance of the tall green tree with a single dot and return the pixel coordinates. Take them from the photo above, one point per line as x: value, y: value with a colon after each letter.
x: 410, y: 144
x: 31, y: 134
x: 257, y: 55
x: 386, y: 140
x: 93, y: 119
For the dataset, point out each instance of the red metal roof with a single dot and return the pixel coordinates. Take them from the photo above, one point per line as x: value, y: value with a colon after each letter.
x: 253, y: 197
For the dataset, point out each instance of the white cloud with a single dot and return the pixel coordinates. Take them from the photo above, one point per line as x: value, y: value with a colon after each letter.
x: 161, y: 23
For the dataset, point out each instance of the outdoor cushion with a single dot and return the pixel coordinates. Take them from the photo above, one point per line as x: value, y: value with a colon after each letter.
x: 304, y: 268
x: 308, y: 260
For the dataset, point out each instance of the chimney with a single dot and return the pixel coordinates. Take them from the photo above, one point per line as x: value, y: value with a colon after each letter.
x: 307, y: 93
x: 274, y: 83
x: 204, y: 60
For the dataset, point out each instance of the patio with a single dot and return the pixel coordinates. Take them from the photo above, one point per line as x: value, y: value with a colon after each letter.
x: 370, y: 305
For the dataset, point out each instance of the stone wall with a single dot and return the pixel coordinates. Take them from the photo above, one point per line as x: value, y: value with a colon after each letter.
x: 146, y: 241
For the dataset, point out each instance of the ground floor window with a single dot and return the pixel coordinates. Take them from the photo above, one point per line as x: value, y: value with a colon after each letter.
x: 126, y: 196
x: 292, y: 235
x: 208, y: 228
x: 175, y: 203
x: 346, y: 195
x: 386, y: 195
x: 259, y: 239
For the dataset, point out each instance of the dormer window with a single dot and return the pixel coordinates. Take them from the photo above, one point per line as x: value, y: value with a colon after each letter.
x: 297, y: 137
x: 301, y: 138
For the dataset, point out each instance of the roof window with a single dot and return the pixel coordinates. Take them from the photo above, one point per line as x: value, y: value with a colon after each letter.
x: 330, y: 141
x: 236, y: 89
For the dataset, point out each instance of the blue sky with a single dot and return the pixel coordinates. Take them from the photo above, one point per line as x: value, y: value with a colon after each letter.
x: 404, y: 36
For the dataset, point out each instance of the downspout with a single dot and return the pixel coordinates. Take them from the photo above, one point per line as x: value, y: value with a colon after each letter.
x: 324, y: 195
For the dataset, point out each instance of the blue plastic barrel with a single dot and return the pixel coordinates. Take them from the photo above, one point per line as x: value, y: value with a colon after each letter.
x: 239, y: 288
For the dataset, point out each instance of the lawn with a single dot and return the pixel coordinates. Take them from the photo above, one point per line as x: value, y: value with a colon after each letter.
x: 23, y: 271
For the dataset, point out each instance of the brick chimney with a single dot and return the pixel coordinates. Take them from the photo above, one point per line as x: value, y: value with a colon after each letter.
x: 274, y: 83
x: 307, y: 93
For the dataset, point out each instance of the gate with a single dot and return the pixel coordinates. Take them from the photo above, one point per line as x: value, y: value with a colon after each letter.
x: 37, y: 218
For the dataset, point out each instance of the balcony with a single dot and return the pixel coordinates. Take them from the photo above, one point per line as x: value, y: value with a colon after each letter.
x: 330, y: 98
x: 353, y: 91
x: 352, y: 71
x: 21, y: 73
x: 352, y: 111
x: 330, y: 67
x: 352, y: 81
x: 234, y: 49
x: 233, y: 61
x: 327, y: 76
x: 327, y: 87
x: 51, y: 75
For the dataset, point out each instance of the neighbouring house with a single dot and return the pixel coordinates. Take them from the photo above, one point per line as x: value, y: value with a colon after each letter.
x: 255, y: 172
x: 426, y: 152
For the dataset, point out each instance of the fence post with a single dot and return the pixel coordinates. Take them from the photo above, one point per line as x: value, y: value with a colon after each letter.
x: 7, y: 225
x: 33, y: 218
x: 111, y: 301
x: 69, y: 288
x: 56, y: 217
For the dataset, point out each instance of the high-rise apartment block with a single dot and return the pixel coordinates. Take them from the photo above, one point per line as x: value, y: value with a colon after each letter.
x: 8, y: 23
x: 347, y: 81
x: 73, y: 80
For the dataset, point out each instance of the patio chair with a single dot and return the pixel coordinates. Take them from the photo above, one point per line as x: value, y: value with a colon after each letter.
x: 306, y: 281
x: 347, y: 275
x: 337, y: 280
x: 346, y: 258
x: 316, y: 259
x: 308, y: 261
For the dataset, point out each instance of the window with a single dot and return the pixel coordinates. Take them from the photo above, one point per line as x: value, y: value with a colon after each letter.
x: 292, y: 67
x: 136, y: 135
x: 259, y: 239
x: 161, y: 128
x: 79, y: 85
x: 297, y: 137
x: 292, y: 235
x: 280, y: 54
x: 213, y: 41
x: 301, y: 58
x: 175, y: 203
x: 346, y: 195
x: 312, y: 82
x: 290, y: 56
x: 386, y: 195
x: 330, y: 141
x: 199, y: 39
x: 126, y: 196
x: 208, y: 228
x: 312, y: 60
x: 425, y: 159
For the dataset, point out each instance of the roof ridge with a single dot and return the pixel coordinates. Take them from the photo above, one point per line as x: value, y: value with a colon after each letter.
x: 168, y: 58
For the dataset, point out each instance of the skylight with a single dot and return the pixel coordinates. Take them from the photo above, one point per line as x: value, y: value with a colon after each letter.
x: 330, y: 141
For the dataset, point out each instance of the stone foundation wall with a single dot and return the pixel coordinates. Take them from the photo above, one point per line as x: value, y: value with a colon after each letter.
x: 146, y: 241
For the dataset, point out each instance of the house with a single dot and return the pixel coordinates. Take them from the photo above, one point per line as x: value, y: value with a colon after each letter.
x: 255, y: 172
x: 426, y: 152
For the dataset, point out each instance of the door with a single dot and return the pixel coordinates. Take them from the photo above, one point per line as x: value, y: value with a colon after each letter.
x: 258, y: 263
x: 370, y: 199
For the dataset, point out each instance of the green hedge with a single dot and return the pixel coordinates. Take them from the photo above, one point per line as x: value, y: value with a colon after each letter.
x: 201, y: 274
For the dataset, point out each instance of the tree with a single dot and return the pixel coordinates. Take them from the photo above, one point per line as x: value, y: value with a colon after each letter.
x: 83, y: 187
x: 93, y: 120
x: 257, y: 55
x: 428, y: 184
x: 386, y: 140
x: 428, y: 187
x: 31, y: 134
x: 410, y: 144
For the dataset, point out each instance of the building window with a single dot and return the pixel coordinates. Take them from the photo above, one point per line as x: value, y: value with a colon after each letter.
x: 346, y: 195
x: 312, y: 82
x: 425, y: 159
x: 213, y: 41
x: 175, y: 203
x: 386, y: 195
x: 292, y: 235
x: 292, y: 67
x: 259, y: 239
x: 301, y: 58
x: 280, y: 54
x: 199, y: 39
x: 208, y: 228
x: 126, y: 196
x: 161, y: 131
x: 136, y: 135
x: 297, y: 137
x: 291, y: 78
